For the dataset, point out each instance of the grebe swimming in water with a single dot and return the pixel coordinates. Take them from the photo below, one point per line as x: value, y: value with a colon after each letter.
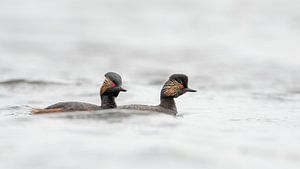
x: 176, y: 86
x: 110, y: 89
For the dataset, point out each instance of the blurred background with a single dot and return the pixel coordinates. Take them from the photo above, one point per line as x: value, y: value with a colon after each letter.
x: 241, y: 55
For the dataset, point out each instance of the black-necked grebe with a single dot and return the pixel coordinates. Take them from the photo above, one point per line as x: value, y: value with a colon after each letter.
x: 110, y: 89
x: 176, y: 86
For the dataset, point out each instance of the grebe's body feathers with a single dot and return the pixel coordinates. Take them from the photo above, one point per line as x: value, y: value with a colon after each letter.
x: 74, y: 106
x: 176, y: 86
x: 109, y: 90
x: 149, y: 108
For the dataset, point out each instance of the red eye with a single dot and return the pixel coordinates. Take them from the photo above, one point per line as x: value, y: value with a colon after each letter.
x: 113, y: 85
x: 181, y: 86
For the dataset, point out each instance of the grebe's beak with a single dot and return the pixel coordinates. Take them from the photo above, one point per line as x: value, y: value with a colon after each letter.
x: 189, y: 90
x: 122, y: 89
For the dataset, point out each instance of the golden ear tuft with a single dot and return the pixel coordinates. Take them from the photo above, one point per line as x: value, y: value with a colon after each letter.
x: 171, y: 88
x: 106, y: 85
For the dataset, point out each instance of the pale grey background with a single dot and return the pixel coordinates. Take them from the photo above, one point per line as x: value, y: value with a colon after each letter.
x: 241, y: 55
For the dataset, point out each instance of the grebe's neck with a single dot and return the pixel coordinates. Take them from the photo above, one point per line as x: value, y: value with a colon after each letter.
x: 108, y: 101
x: 168, y: 103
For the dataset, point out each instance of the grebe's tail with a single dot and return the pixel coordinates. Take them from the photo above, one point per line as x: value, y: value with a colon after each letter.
x: 42, y: 111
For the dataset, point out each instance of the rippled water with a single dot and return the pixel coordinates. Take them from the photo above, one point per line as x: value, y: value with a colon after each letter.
x: 241, y: 56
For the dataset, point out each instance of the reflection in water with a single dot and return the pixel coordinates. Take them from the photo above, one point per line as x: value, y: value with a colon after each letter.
x: 114, y: 115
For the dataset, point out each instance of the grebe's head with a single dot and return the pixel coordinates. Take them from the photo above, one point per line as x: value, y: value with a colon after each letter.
x: 112, y: 85
x: 176, y: 86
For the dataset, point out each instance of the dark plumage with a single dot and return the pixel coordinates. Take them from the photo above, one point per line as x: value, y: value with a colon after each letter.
x: 176, y: 86
x: 110, y: 89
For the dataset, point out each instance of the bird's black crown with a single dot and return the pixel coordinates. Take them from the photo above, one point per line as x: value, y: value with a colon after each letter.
x: 116, y: 78
x: 181, y: 78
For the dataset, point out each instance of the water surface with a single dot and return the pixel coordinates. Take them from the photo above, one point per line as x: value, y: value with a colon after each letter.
x: 242, y: 57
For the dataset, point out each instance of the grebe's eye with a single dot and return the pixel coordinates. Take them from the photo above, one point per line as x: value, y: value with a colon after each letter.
x: 113, y: 84
x: 181, y: 86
